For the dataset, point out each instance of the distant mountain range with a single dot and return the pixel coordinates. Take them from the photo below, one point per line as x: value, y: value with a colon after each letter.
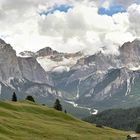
x: 96, y: 82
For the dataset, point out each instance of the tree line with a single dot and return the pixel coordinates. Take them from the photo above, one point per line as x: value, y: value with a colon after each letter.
x: 57, y: 104
x: 122, y: 119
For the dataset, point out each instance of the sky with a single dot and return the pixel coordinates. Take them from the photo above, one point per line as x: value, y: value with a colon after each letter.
x: 69, y: 25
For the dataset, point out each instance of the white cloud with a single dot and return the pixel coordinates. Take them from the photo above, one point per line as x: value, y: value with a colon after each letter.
x: 81, y: 28
x: 134, y: 18
x: 92, y: 30
x: 106, y: 4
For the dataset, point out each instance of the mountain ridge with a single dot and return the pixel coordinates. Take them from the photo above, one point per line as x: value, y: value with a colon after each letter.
x: 95, y: 82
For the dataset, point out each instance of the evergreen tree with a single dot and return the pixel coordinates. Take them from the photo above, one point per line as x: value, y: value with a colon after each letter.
x: 57, y: 105
x: 137, y: 128
x: 30, y: 98
x: 65, y: 111
x: 14, y: 97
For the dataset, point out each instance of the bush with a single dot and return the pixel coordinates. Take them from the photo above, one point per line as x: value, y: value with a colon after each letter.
x: 65, y: 111
x: 57, y: 105
x: 30, y: 98
x: 99, y: 125
x: 14, y: 97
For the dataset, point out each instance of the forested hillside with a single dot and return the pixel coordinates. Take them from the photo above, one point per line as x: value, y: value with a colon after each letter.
x: 123, y: 119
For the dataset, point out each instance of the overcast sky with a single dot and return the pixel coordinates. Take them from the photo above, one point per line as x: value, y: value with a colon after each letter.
x: 69, y: 25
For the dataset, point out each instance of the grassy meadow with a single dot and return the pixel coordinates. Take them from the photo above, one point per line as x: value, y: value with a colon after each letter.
x: 29, y: 121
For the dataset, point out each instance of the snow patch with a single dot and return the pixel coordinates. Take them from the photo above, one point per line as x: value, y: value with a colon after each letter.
x: 128, y: 87
x: 134, y: 68
x: 92, y: 111
x: 78, y: 90
x: 50, y: 65
x: 61, y: 69
x: 95, y: 112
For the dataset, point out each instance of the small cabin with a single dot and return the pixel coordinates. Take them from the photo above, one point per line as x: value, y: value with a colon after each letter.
x: 132, y: 137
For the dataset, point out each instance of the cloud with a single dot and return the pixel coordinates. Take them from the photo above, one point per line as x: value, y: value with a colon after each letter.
x: 126, y: 3
x: 134, y: 18
x: 106, y: 4
x: 67, y: 25
x: 83, y: 24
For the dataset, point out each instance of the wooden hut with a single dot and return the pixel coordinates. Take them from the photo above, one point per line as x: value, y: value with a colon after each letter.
x: 132, y: 137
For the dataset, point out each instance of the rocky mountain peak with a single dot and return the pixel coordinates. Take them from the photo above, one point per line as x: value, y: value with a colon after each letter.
x: 8, y: 62
x: 27, y: 54
x: 2, y: 42
x: 47, y: 51
x: 129, y: 53
x: 130, y: 45
x: 32, y: 70
x: 5, y: 47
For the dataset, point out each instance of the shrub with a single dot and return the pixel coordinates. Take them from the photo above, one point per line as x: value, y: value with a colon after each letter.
x: 14, y: 97
x: 99, y: 125
x: 57, y: 105
x: 30, y: 98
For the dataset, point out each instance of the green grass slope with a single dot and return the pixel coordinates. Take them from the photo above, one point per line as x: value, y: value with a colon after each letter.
x: 28, y: 121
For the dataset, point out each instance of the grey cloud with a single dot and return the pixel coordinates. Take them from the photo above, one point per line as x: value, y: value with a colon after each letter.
x: 80, y: 28
x: 126, y: 3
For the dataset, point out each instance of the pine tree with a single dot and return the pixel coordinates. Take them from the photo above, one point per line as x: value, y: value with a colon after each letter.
x: 14, y: 97
x: 65, y: 111
x: 57, y: 105
x: 137, y: 128
x: 30, y: 98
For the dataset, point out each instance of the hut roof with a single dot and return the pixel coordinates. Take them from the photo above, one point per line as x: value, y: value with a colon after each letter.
x: 132, y: 136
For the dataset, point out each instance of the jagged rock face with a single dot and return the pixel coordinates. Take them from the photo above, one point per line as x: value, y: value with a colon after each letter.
x: 130, y: 54
x: 8, y: 62
x: 24, y: 76
x: 51, y: 60
x: 32, y: 70
x: 104, y: 81
x: 27, y: 54
x: 99, y: 62
x: 106, y: 86
x: 22, y: 87
x: 46, y: 52
x: 12, y: 66
x: 55, y: 54
x: 100, y: 80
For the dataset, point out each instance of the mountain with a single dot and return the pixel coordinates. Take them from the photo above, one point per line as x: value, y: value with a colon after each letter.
x: 129, y: 54
x: 102, y: 81
x: 123, y: 119
x: 92, y: 83
x: 51, y: 60
x: 24, y: 76
x: 29, y: 121
x: 8, y: 62
x: 32, y: 70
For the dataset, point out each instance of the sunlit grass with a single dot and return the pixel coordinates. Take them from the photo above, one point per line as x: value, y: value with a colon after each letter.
x: 28, y: 121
